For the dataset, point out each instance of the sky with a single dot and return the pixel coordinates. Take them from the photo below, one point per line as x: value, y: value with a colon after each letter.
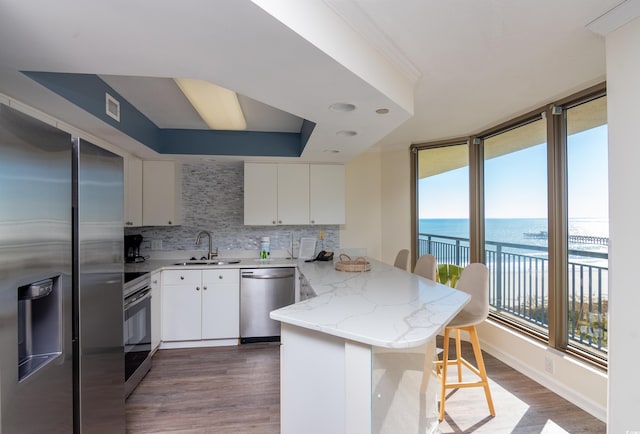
x: 516, y: 183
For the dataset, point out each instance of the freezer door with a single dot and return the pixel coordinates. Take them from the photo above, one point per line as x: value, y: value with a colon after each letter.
x: 36, y: 394
x: 100, y: 264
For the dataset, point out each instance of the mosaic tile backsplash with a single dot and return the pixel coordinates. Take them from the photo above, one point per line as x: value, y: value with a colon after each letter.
x: 212, y: 195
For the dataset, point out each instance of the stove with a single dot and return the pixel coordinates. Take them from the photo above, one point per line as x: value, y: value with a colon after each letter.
x: 132, y: 275
x: 137, y: 328
x: 134, y: 281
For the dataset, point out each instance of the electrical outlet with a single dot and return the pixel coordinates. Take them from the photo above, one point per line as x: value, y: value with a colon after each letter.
x: 548, y: 364
x: 156, y: 244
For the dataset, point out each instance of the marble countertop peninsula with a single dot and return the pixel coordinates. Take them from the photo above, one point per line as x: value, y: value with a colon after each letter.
x: 384, y: 307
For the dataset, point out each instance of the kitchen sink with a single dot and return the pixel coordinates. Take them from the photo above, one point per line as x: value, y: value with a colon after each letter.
x: 213, y: 262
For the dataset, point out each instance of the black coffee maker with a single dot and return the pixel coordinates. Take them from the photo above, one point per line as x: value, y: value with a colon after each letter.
x: 132, y: 248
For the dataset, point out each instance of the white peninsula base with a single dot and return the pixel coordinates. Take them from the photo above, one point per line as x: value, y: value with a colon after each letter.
x: 334, y: 385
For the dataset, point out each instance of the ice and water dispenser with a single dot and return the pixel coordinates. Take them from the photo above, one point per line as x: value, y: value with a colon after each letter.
x: 39, y: 325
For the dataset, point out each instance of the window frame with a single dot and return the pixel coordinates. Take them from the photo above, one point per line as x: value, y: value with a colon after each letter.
x: 557, y: 197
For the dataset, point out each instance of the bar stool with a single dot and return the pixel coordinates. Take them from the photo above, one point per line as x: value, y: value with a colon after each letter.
x: 402, y: 259
x: 474, y: 280
x: 426, y: 267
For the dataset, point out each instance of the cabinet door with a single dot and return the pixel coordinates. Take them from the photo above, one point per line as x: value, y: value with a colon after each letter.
x: 260, y: 194
x: 156, y: 310
x: 133, y: 191
x: 181, y: 305
x: 161, y: 204
x: 326, y: 197
x: 221, y: 304
x: 293, y: 194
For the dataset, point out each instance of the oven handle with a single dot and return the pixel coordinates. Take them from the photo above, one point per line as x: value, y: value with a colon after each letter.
x: 138, y: 297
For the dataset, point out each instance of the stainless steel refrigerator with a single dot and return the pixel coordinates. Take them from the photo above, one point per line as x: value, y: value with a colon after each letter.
x: 61, y: 307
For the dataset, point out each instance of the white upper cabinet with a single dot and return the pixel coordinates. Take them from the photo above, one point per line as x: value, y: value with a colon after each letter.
x: 293, y: 194
x: 260, y: 194
x: 133, y: 191
x: 161, y: 193
x: 326, y: 194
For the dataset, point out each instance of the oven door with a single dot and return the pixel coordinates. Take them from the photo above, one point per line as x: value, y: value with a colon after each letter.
x: 137, y: 331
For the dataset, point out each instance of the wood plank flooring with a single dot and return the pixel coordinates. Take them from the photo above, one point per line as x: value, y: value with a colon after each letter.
x: 236, y: 390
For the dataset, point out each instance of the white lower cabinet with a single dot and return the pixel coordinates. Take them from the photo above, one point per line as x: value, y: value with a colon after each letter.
x: 156, y: 311
x: 200, y: 304
x: 221, y: 304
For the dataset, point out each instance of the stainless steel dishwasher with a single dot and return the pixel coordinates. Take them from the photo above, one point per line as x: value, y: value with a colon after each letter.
x: 261, y: 291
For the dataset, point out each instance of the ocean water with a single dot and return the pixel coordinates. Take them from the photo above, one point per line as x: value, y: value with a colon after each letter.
x: 514, y: 230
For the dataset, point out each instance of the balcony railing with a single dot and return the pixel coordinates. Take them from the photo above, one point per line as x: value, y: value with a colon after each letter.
x: 518, y: 284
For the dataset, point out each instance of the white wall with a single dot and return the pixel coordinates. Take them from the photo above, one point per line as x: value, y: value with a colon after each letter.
x: 623, y: 91
x: 396, y: 203
x: 378, y: 204
x: 363, y: 205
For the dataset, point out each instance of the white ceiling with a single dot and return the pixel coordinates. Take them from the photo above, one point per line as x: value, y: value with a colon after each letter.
x: 443, y: 68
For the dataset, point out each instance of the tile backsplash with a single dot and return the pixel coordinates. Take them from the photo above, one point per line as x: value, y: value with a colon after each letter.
x: 212, y: 196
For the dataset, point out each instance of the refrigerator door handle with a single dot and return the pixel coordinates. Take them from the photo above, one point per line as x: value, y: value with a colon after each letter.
x: 35, y: 290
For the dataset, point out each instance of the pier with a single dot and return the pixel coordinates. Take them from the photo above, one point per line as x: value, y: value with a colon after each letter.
x: 578, y: 239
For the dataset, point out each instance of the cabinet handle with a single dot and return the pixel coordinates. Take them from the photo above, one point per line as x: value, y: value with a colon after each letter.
x: 273, y: 221
x: 279, y: 222
x: 313, y: 222
x: 169, y: 221
x: 220, y: 276
x: 181, y: 277
x: 197, y: 288
x: 204, y: 287
x: 155, y: 282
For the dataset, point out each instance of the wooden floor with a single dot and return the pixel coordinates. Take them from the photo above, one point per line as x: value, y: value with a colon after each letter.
x: 236, y: 390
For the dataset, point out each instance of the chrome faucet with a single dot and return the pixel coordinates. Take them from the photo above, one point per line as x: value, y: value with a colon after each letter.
x: 210, y: 255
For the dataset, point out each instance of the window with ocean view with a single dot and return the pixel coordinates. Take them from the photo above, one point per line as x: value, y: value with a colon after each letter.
x: 443, y: 203
x: 588, y: 224
x: 515, y: 225
x: 529, y: 198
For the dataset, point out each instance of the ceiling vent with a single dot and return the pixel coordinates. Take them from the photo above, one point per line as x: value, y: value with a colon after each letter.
x: 112, y: 107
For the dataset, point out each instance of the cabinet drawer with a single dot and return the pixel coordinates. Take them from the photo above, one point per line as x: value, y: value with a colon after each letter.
x: 181, y: 277
x: 227, y: 275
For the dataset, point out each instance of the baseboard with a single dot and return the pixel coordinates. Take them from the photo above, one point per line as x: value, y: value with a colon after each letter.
x: 542, y: 377
x: 199, y: 344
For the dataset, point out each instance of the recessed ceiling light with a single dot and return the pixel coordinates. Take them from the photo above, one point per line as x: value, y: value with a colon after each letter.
x: 332, y: 151
x: 382, y: 111
x: 342, y: 107
x: 346, y: 133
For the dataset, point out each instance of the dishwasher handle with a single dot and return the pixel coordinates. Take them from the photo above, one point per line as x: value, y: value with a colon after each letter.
x: 251, y: 275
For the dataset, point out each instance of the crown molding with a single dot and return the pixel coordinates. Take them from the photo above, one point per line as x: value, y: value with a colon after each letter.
x: 356, y: 18
x: 615, y: 18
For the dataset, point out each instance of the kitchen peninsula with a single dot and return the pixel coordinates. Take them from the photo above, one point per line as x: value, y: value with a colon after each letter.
x: 353, y: 357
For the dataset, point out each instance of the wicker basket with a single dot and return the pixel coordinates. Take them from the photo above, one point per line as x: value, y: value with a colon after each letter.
x: 345, y: 263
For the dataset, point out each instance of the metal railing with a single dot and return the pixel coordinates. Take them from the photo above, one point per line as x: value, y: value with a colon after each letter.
x: 518, y: 284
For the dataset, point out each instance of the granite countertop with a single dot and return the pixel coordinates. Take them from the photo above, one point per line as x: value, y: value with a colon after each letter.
x: 384, y: 307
